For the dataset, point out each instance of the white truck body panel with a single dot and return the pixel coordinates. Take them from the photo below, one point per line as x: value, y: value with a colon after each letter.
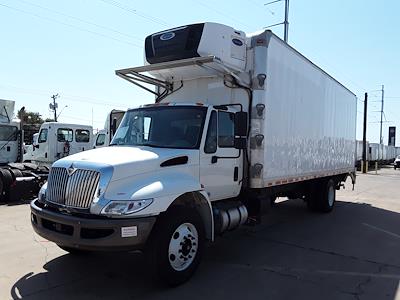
x: 9, y: 142
x: 6, y: 110
x: 309, y: 125
x: 8, y: 137
x: 374, y: 151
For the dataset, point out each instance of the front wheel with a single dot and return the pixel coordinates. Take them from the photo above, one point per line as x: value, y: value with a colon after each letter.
x: 74, y: 251
x: 176, y: 245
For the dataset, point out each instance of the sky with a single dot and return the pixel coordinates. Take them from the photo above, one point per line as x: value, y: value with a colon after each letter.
x: 72, y: 48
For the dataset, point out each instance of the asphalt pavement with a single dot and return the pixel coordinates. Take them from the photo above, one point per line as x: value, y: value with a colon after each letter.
x: 351, y: 253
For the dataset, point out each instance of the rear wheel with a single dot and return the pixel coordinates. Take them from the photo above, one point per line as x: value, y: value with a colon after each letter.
x: 328, y: 196
x: 176, y: 245
x: 322, y: 197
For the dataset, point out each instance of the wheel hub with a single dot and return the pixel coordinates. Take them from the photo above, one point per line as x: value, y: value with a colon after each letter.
x: 183, y: 246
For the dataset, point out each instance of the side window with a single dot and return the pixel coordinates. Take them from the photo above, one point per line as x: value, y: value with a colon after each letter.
x: 101, y: 138
x: 226, y: 131
x: 211, y: 139
x: 82, y: 136
x: 43, y: 135
x: 64, y: 135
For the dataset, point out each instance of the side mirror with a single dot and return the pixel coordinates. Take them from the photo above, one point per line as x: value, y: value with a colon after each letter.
x: 36, y: 146
x: 240, y: 142
x: 241, y: 128
x: 241, y: 124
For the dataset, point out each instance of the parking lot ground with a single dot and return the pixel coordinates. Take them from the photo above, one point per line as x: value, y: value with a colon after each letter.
x: 351, y: 253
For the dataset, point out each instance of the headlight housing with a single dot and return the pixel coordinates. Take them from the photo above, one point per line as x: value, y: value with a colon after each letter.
x: 122, y: 208
x: 42, y: 193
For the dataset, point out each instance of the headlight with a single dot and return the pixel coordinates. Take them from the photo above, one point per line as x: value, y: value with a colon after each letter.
x: 120, y: 208
x: 42, y: 193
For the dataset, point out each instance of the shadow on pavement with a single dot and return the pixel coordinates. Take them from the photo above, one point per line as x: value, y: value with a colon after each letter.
x: 350, y: 253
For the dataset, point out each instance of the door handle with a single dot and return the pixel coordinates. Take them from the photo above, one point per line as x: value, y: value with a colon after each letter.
x: 236, y: 174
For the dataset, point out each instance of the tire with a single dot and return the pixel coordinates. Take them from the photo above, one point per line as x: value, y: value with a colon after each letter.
x: 74, y: 251
x: 6, y: 178
x: 176, y: 246
x: 322, y: 197
x: 1, y: 189
x: 328, y: 196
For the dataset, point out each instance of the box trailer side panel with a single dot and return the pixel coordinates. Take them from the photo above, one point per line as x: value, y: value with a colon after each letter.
x: 310, y: 119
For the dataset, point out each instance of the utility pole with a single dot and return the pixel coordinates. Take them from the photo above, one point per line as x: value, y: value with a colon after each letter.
x: 383, y: 92
x: 364, y: 152
x: 53, y: 106
x: 285, y: 23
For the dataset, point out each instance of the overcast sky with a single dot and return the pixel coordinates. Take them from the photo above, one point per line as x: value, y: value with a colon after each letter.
x: 73, y: 48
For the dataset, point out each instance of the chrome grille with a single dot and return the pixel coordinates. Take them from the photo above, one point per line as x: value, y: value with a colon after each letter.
x: 75, y: 190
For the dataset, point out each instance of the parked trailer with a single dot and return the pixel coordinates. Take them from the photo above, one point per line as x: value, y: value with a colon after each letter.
x: 391, y: 154
x: 238, y: 121
x: 359, y: 156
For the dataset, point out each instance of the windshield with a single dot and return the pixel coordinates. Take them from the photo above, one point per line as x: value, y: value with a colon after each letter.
x: 8, y: 133
x: 166, y: 127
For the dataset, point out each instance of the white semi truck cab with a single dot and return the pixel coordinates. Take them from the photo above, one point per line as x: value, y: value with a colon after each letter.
x: 57, y: 140
x: 238, y: 120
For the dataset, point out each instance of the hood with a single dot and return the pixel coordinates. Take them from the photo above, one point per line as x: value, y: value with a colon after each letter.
x: 129, y: 161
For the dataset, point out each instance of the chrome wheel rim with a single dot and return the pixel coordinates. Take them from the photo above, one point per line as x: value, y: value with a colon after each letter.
x: 183, y: 246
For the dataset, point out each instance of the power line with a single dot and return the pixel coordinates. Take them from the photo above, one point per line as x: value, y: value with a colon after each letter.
x: 220, y: 13
x: 70, y: 25
x: 66, y: 96
x: 82, y: 20
x: 134, y: 11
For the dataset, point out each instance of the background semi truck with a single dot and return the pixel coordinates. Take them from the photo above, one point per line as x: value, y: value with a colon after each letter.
x: 16, y: 178
x: 238, y: 120
x: 22, y: 175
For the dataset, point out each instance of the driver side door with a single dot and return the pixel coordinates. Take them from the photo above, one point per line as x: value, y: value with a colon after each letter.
x: 220, y: 163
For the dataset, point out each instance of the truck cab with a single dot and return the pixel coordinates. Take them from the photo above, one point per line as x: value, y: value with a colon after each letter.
x: 57, y: 140
x: 104, y: 136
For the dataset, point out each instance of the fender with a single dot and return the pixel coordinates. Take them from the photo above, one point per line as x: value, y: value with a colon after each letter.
x: 166, y: 188
x: 163, y: 186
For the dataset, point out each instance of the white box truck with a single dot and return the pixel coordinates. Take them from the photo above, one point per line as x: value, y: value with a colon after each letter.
x: 238, y: 120
x: 104, y: 136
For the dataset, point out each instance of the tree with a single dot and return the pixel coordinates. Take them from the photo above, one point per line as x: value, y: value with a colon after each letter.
x: 31, y: 122
x: 28, y: 117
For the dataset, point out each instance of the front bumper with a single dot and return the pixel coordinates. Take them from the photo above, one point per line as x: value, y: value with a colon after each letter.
x: 90, y: 234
